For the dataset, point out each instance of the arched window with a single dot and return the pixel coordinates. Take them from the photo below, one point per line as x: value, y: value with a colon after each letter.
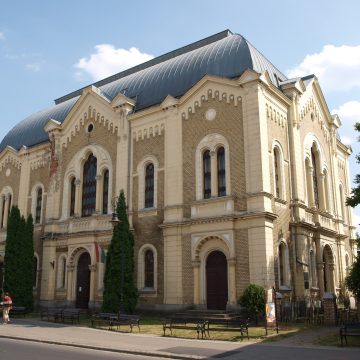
x: 278, y: 179
x: 105, y: 193
x: 284, y: 270
x: 313, y: 269
x: 89, y: 186
x: 3, y: 200
x: 149, y: 186
x: 315, y: 178
x: 35, y: 271
x: 72, y: 196
x: 38, y: 206
x: 221, y: 172
x: 207, y: 174
x: 149, y: 269
x: 63, y: 272
x: 342, y: 203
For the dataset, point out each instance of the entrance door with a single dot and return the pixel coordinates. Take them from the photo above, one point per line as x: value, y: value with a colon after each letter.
x: 216, y: 281
x: 83, y: 282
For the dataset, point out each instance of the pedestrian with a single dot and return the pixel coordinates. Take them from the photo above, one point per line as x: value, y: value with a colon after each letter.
x: 6, y: 304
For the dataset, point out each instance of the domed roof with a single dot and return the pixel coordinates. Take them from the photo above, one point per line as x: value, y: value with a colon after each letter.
x: 224, y: 54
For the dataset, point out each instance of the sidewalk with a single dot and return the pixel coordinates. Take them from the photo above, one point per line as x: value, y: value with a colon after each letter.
x: 141, y: 344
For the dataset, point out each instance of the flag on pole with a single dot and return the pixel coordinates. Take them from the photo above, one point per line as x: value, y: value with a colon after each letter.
x: 99, y: 253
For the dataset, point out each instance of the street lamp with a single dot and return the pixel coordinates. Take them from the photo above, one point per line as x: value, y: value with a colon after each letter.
x: 114, y: 221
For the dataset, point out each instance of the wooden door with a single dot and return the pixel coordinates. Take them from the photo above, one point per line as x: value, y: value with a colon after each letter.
x: 83, y: 282
x: 216, y: 281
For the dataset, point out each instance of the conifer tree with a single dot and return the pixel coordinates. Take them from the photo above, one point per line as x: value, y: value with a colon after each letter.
x: 120, y: 292
x: 19, y: 254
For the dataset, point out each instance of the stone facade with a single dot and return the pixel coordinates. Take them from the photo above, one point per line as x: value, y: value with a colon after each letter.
x: 268, y: 208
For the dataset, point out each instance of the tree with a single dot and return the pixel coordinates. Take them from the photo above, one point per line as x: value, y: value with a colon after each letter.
x: 354, y: 199
x: 352, y: 281
x: 120, y: 292
x: 19, y: 254
x: 253, y: 300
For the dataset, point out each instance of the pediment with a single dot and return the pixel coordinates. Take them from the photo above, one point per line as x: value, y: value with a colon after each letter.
x: 52, y: 125
x: 247, y: 76
x: 121, y: 100
x: 168, y: 102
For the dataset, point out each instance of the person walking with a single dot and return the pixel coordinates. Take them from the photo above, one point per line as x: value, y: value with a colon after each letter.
x: 6, y: 304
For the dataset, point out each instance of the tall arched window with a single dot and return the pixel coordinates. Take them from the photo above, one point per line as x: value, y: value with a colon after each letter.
x: 3, y: 211
x: 89, y: 186
x: 313, y: 269
x: 207, y: 174
x: 221, y: 172
x: 105, y: 193
x: 35, y: 271
x: 72, y: 196
x: 38, y: 206
x: 63, y: 272
x: 284, y: 267
x: 315, y: 178
x: 278, y: 179
x: 149, y: 269
x: 149, y: 186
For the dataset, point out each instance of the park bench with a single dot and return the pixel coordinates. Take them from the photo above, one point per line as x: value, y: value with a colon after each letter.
x: 103, y: 319
x: 222, y: 324
x: 72, y: 315
x: 185, y: 323
x: 51, y: 314
x: 18, y: 310
x: 125, y: 319
x: 349, y: 329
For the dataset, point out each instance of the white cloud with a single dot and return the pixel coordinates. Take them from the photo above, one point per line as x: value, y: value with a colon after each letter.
x: 107, y: 61
x: 2, y: 36
x: 35, y: 67
x: 337, y: 67
x: 349, y: 114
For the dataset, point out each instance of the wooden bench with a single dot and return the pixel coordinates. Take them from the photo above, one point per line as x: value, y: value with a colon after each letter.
x: 349, y: 329
x: 185, y: 323
x: 125, y: 319
x: 106, y: 319
x: 234, y: 324
x: 51, y: 314
x: 18, y: 310
x: 72, y: 315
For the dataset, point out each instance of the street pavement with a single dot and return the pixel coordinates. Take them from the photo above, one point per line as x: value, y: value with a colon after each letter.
x: 173, y: 348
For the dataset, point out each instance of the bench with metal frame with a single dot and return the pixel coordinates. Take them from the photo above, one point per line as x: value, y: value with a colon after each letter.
x: 185, y: 323
x: 234, y: 324
x: 349, y: 329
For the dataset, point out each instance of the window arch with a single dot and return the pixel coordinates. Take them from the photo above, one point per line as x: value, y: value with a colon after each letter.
x: 147, y: 268
x: 149, y: 185
x: 105, y: 191
x: 147, y: 171
x: 315, y: 177
x: 38, y: 208
x: 35, y: 270
x: 212, y: 169
x: 72, y: 195
x: 207, y: 174
x: 221, y: 172
x: 283, y: 265
x: 89, y: 186
x: 278, y: 172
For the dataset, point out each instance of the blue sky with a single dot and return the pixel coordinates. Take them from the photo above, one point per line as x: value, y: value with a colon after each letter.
x: 48, y: 48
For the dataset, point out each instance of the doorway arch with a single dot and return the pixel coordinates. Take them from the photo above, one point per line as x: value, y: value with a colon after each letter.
x: 83, y: 281
x: 216, y: 281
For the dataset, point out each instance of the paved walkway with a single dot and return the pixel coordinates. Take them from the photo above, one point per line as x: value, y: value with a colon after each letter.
x: 143, y: 344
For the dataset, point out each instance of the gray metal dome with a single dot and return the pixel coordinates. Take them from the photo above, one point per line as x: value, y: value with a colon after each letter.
x: 224, y: 54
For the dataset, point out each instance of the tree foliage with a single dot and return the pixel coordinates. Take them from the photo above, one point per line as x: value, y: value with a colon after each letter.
x: 352, y: 281
x: 120, y: 292
x: 253, y: 300
x: 354, y: 199
x: 18, y: 262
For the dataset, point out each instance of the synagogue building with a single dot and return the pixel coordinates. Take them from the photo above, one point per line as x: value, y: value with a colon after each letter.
x: 233, y: 174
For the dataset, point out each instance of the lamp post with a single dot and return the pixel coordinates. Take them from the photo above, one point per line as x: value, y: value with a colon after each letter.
x: 114, y: 221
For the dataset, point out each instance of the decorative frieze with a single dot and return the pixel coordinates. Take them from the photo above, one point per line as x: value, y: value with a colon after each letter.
x: 10, y: 159
x: 199, y: 100
x: 275, y: 115
x: 148, y: 131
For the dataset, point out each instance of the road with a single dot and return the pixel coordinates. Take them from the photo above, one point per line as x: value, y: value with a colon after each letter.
x: 20, y: 350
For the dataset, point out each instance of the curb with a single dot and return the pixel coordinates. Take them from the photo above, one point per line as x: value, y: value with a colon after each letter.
x: 158, y: 354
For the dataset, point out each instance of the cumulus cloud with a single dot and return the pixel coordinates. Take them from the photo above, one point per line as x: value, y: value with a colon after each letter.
x: 337, y: 67
x: 349, y: 114
x: 107, y: 60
